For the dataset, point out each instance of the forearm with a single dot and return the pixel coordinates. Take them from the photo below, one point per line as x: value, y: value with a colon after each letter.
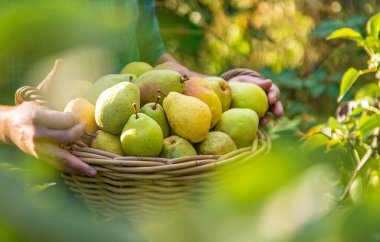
x: 177, y: 66
x: 5, y: 112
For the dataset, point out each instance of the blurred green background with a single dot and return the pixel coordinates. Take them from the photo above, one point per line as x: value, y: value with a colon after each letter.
x: 289, y: 195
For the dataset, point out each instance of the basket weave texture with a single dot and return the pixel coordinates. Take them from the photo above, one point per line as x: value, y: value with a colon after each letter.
x: 128, y: 186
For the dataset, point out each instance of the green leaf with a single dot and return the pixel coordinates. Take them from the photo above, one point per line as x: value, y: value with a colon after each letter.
x: 370, y: 90
x: 373, y: 25
x: 333, y: 123
x: 346, y: 33
x: 349, y: 78
x: 369, y: 124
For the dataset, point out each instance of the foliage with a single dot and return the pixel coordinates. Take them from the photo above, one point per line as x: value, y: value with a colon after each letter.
x: 355, y: 128
x: 284, y: 40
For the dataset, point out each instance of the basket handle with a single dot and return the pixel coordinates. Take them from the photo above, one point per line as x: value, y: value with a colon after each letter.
x: 240, y: 72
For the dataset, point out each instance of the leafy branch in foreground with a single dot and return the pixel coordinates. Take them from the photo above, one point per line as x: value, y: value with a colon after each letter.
x: 355, y: 127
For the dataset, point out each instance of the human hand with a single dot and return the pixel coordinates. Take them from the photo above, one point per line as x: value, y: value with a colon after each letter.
x: 39, y: 131
x: 272, y: 91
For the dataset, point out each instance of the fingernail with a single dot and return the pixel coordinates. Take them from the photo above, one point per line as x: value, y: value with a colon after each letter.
x: 91, y: 172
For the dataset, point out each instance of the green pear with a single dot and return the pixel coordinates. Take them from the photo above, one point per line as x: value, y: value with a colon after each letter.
x: 188, y: 116
x: 93, y: 93
x: 175, y: 147
x: 107, y: 142
x: 249, y: 95
x: 142, y: 136
x: 114, y: 106
x: 216, y: 143
x: 156, y: 112
x: 152, y: 81
x: 240, y: 124
x: 136, y: 68
x: 222, y: 90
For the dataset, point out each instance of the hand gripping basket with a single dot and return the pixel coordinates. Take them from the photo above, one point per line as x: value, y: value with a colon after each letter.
x: 132, y: 187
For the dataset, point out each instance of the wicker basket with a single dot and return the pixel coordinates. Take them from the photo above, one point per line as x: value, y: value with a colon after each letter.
x: 132, y: 187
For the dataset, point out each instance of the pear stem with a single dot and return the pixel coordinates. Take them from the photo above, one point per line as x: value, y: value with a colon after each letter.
x: 155, y: 105
x: 161, y: 92
x: 184, y: 78
x: 135, y: 110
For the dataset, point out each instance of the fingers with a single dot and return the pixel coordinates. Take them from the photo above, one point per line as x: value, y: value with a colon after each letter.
x: 265, y: 120
x: 273, y: 94
x: 62, y: 136
x: 63, y: 160
x: 264, y: 84
x: 277, y: 109
x: 56, y: 120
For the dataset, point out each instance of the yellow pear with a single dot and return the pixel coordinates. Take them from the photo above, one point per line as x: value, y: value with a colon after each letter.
x: 222, y: 89
x: 201, y: 89
x: 86, y: 111
x: 188, y: 116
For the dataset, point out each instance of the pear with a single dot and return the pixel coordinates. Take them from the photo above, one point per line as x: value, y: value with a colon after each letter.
x: 222, y: 89
x: 175, y: 147
x: 240, y: 124
x: 142, y: 136
x: 136, y: 68
x: 114, y: 106
x: 249, y: 95
x: 152, y: 81
x: 105, y: 82
x: 86, y: 111
x: 107, y: 142
x: 188, y: 116
x: 216, y: 143
x: 199, y: 88
x: 156, y: 112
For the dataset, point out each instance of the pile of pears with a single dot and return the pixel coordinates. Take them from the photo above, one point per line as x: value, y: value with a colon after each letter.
x: 156, y: 112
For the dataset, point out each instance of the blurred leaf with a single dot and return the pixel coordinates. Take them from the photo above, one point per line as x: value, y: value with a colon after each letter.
x: 283, y: 124
x: 297, y: 108
x: 319, y: 75
x: 369, y: 124
x: 369, y: 90
x: 314, y: 130
x: 346, y: 33
x: 38, y: 188
x: 355, y: 21
x: 317, y: 91
x: 333, y: 91
x: 326, y: 27
x: 349, y: 78
x: 9, y: 167
x: 292, y: 83
x: 373, y: 26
